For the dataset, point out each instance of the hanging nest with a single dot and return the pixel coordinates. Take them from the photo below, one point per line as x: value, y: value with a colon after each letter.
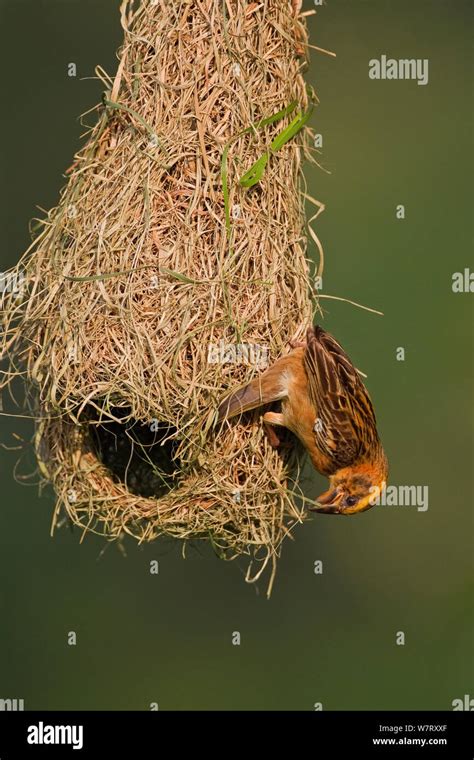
x: 159, y: 283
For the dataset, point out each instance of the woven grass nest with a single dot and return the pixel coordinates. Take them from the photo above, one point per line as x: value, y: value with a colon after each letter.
x: 159, y: 283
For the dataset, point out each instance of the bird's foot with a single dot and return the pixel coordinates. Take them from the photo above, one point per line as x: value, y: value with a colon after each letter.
x: 273, y: 438
x: 270, y: 419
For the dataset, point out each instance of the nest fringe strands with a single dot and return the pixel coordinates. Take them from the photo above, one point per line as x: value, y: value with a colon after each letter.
x: 173, y: 270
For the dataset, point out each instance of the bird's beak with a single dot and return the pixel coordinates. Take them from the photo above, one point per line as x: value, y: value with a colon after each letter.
x: 329, y: 502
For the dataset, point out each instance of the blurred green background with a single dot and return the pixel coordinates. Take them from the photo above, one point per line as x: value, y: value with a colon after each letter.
x: 326, y: 638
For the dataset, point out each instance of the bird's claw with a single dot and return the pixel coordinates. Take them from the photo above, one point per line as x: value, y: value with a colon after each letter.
x: 272, y: 437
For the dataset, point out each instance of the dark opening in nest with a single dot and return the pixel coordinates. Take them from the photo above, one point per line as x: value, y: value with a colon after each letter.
x: 140, y: 455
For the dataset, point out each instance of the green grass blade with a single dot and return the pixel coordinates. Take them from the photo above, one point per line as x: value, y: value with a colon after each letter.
x: 253, y: 127
x: 255, y: 173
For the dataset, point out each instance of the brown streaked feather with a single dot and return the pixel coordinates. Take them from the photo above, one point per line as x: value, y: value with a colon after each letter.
x: 269, y: 387
x: 348, y: 429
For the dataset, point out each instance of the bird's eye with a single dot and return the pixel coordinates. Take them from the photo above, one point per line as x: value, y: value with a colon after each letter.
x: 351, y: 501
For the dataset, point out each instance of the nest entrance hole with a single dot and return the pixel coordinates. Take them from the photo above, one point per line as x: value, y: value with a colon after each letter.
x: 142, y: 455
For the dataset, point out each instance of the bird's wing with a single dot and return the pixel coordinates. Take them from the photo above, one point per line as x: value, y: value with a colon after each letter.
x: 345, y: 429
x: 271, y: 386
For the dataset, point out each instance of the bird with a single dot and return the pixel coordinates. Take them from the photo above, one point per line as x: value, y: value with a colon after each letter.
x: 325, y: 404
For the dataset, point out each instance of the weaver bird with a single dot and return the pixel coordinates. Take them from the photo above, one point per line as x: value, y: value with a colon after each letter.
x: 325, y: 404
